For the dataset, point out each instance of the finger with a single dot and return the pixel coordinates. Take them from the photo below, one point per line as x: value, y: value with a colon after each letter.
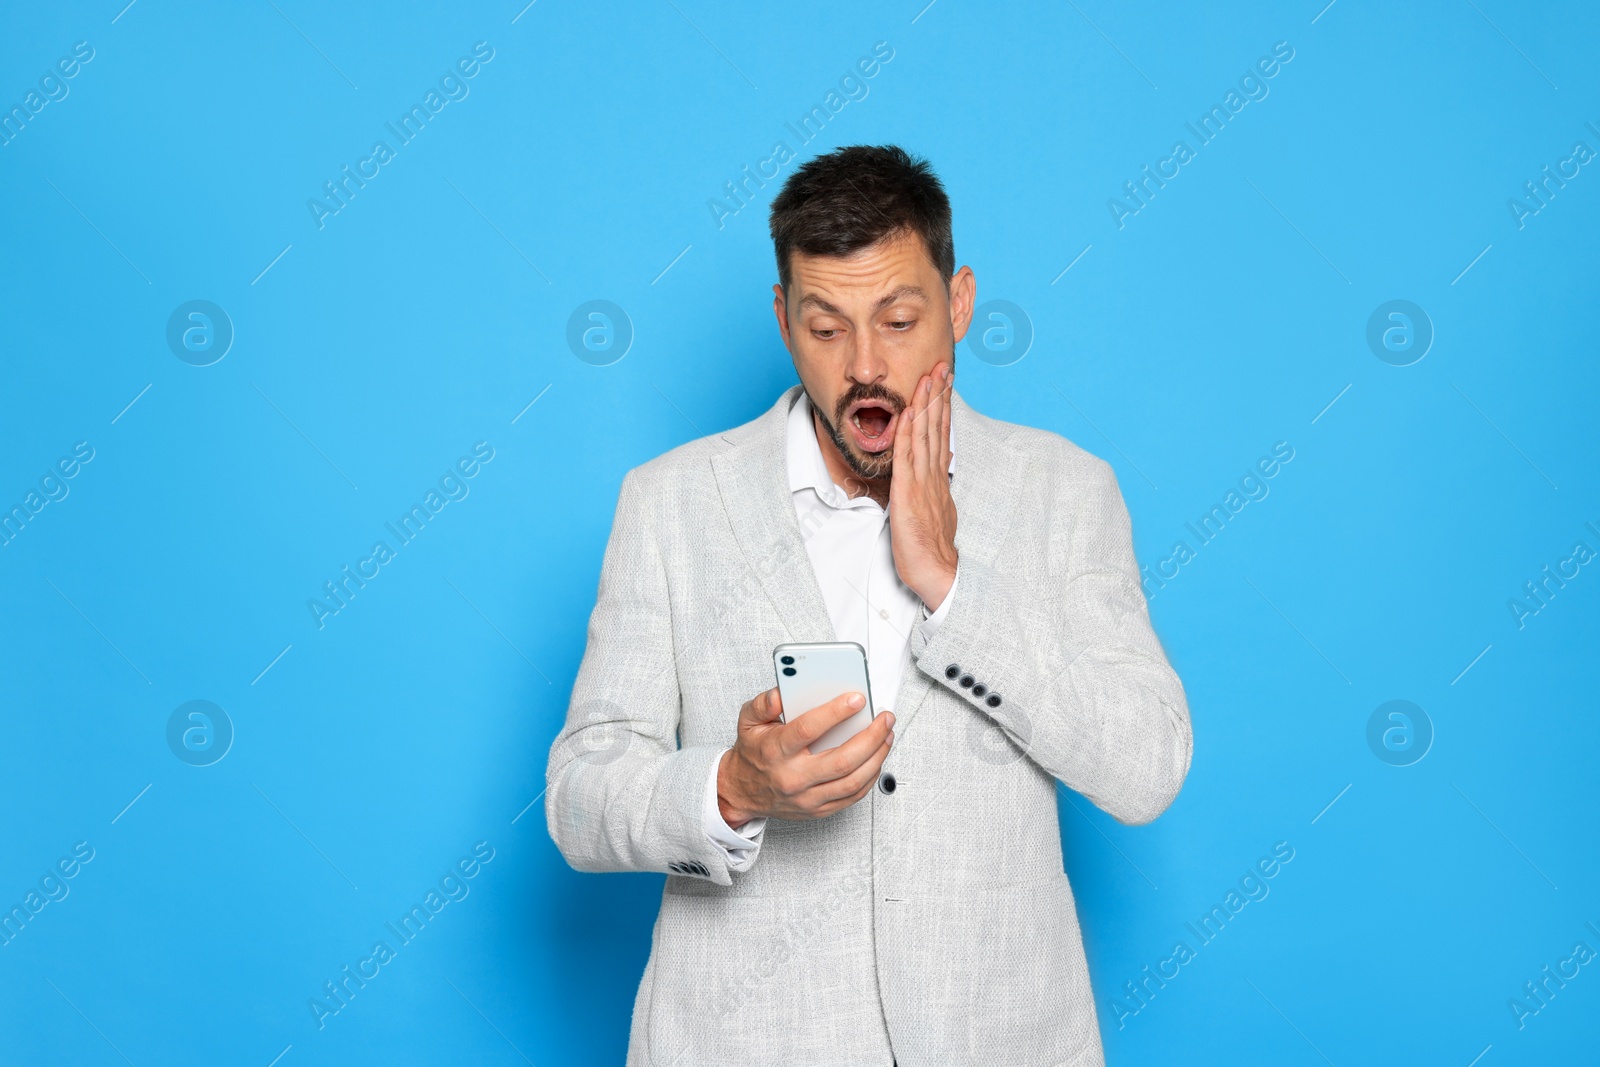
x: 831, y: 797
x: 756, y: 710
x: 919, y: 436
x: 843, y: 792
x: 839, y: 805
x: 902, y: 440
x: 935, y: 417
x: 771, y: 705
x: 844, y: 760
x: 944, y: 429
x: 803, y: 729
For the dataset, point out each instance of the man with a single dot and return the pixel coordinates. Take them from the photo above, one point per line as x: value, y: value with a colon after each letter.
x: 900, y: 898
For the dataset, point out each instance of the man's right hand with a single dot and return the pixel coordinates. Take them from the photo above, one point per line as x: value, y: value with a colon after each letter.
x: 769, y: 771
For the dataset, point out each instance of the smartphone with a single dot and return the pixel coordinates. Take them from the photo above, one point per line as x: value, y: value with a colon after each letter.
x: 810, y: 675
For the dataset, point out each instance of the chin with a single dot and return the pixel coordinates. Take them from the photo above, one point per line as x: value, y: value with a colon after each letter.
x: 870, y: 467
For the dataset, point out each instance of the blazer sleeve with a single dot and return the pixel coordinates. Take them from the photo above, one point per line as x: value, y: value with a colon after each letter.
x: 1067, y: 664
x: 621, y: 795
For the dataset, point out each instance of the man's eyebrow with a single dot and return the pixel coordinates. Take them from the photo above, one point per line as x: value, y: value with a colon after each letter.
x: 898, y: 293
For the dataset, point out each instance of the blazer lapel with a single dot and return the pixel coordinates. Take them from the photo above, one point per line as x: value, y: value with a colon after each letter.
x: 753, y: 480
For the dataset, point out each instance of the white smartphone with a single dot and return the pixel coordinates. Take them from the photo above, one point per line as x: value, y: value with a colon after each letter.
x: 810, y: 675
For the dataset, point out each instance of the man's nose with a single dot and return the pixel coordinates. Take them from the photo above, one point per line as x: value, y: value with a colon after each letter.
x: 866, y: 363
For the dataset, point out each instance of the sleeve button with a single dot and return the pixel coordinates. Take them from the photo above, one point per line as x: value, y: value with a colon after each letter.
x: 966, y: 681
x: 994, y: 700
x: 952, y: 670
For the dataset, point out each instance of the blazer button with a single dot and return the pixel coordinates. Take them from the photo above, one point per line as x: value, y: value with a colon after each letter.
x: 979, y: 689
x: 886, y: 782
x: 966, y: 681
x: 994, y: 700
x: 952, y: 670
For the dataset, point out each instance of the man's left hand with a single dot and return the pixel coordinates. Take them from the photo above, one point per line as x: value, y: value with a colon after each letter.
x: 922, y: 514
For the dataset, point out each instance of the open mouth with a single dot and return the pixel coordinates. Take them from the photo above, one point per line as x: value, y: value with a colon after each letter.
x: 873, y: 422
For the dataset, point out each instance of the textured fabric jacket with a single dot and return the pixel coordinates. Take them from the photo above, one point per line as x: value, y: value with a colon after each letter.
x: 931, y: 922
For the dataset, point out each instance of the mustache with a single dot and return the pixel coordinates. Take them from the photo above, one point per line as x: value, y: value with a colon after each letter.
x: 873, y: 391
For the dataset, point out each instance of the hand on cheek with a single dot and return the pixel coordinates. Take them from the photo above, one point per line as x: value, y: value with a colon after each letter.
x: 922, y: 513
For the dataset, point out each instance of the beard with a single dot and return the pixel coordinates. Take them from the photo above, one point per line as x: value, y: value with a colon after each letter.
x: 869, y: 467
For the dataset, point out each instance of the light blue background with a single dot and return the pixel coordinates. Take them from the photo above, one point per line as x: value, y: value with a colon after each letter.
x: 1227, y: 315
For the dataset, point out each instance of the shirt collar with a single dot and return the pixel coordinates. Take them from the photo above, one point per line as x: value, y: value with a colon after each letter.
x: 807, y: 469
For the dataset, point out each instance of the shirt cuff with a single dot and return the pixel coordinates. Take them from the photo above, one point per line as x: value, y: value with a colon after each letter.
x: 931, y: 624
x: 740, y: 845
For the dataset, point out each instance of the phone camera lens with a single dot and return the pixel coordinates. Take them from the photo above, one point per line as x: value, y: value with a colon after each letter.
x: 786, y: 660
x: 789, y: 671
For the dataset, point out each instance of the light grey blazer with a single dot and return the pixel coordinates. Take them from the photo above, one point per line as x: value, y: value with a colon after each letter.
x: 935, y: 916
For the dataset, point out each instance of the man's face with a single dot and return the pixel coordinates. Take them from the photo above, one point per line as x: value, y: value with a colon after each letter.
x: 862, y: 330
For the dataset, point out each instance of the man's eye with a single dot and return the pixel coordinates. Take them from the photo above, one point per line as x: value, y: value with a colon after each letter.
x: 902, y: 325
x: 823, y: 335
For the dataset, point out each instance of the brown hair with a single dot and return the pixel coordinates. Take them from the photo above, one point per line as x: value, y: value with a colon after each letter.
x: 839, y: 203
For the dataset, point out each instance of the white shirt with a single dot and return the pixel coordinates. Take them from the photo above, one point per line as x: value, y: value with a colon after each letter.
x: 849, y: 545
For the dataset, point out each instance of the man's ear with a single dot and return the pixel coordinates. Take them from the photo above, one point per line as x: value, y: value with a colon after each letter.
x: 780, y: 309
x: 963, y: 293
